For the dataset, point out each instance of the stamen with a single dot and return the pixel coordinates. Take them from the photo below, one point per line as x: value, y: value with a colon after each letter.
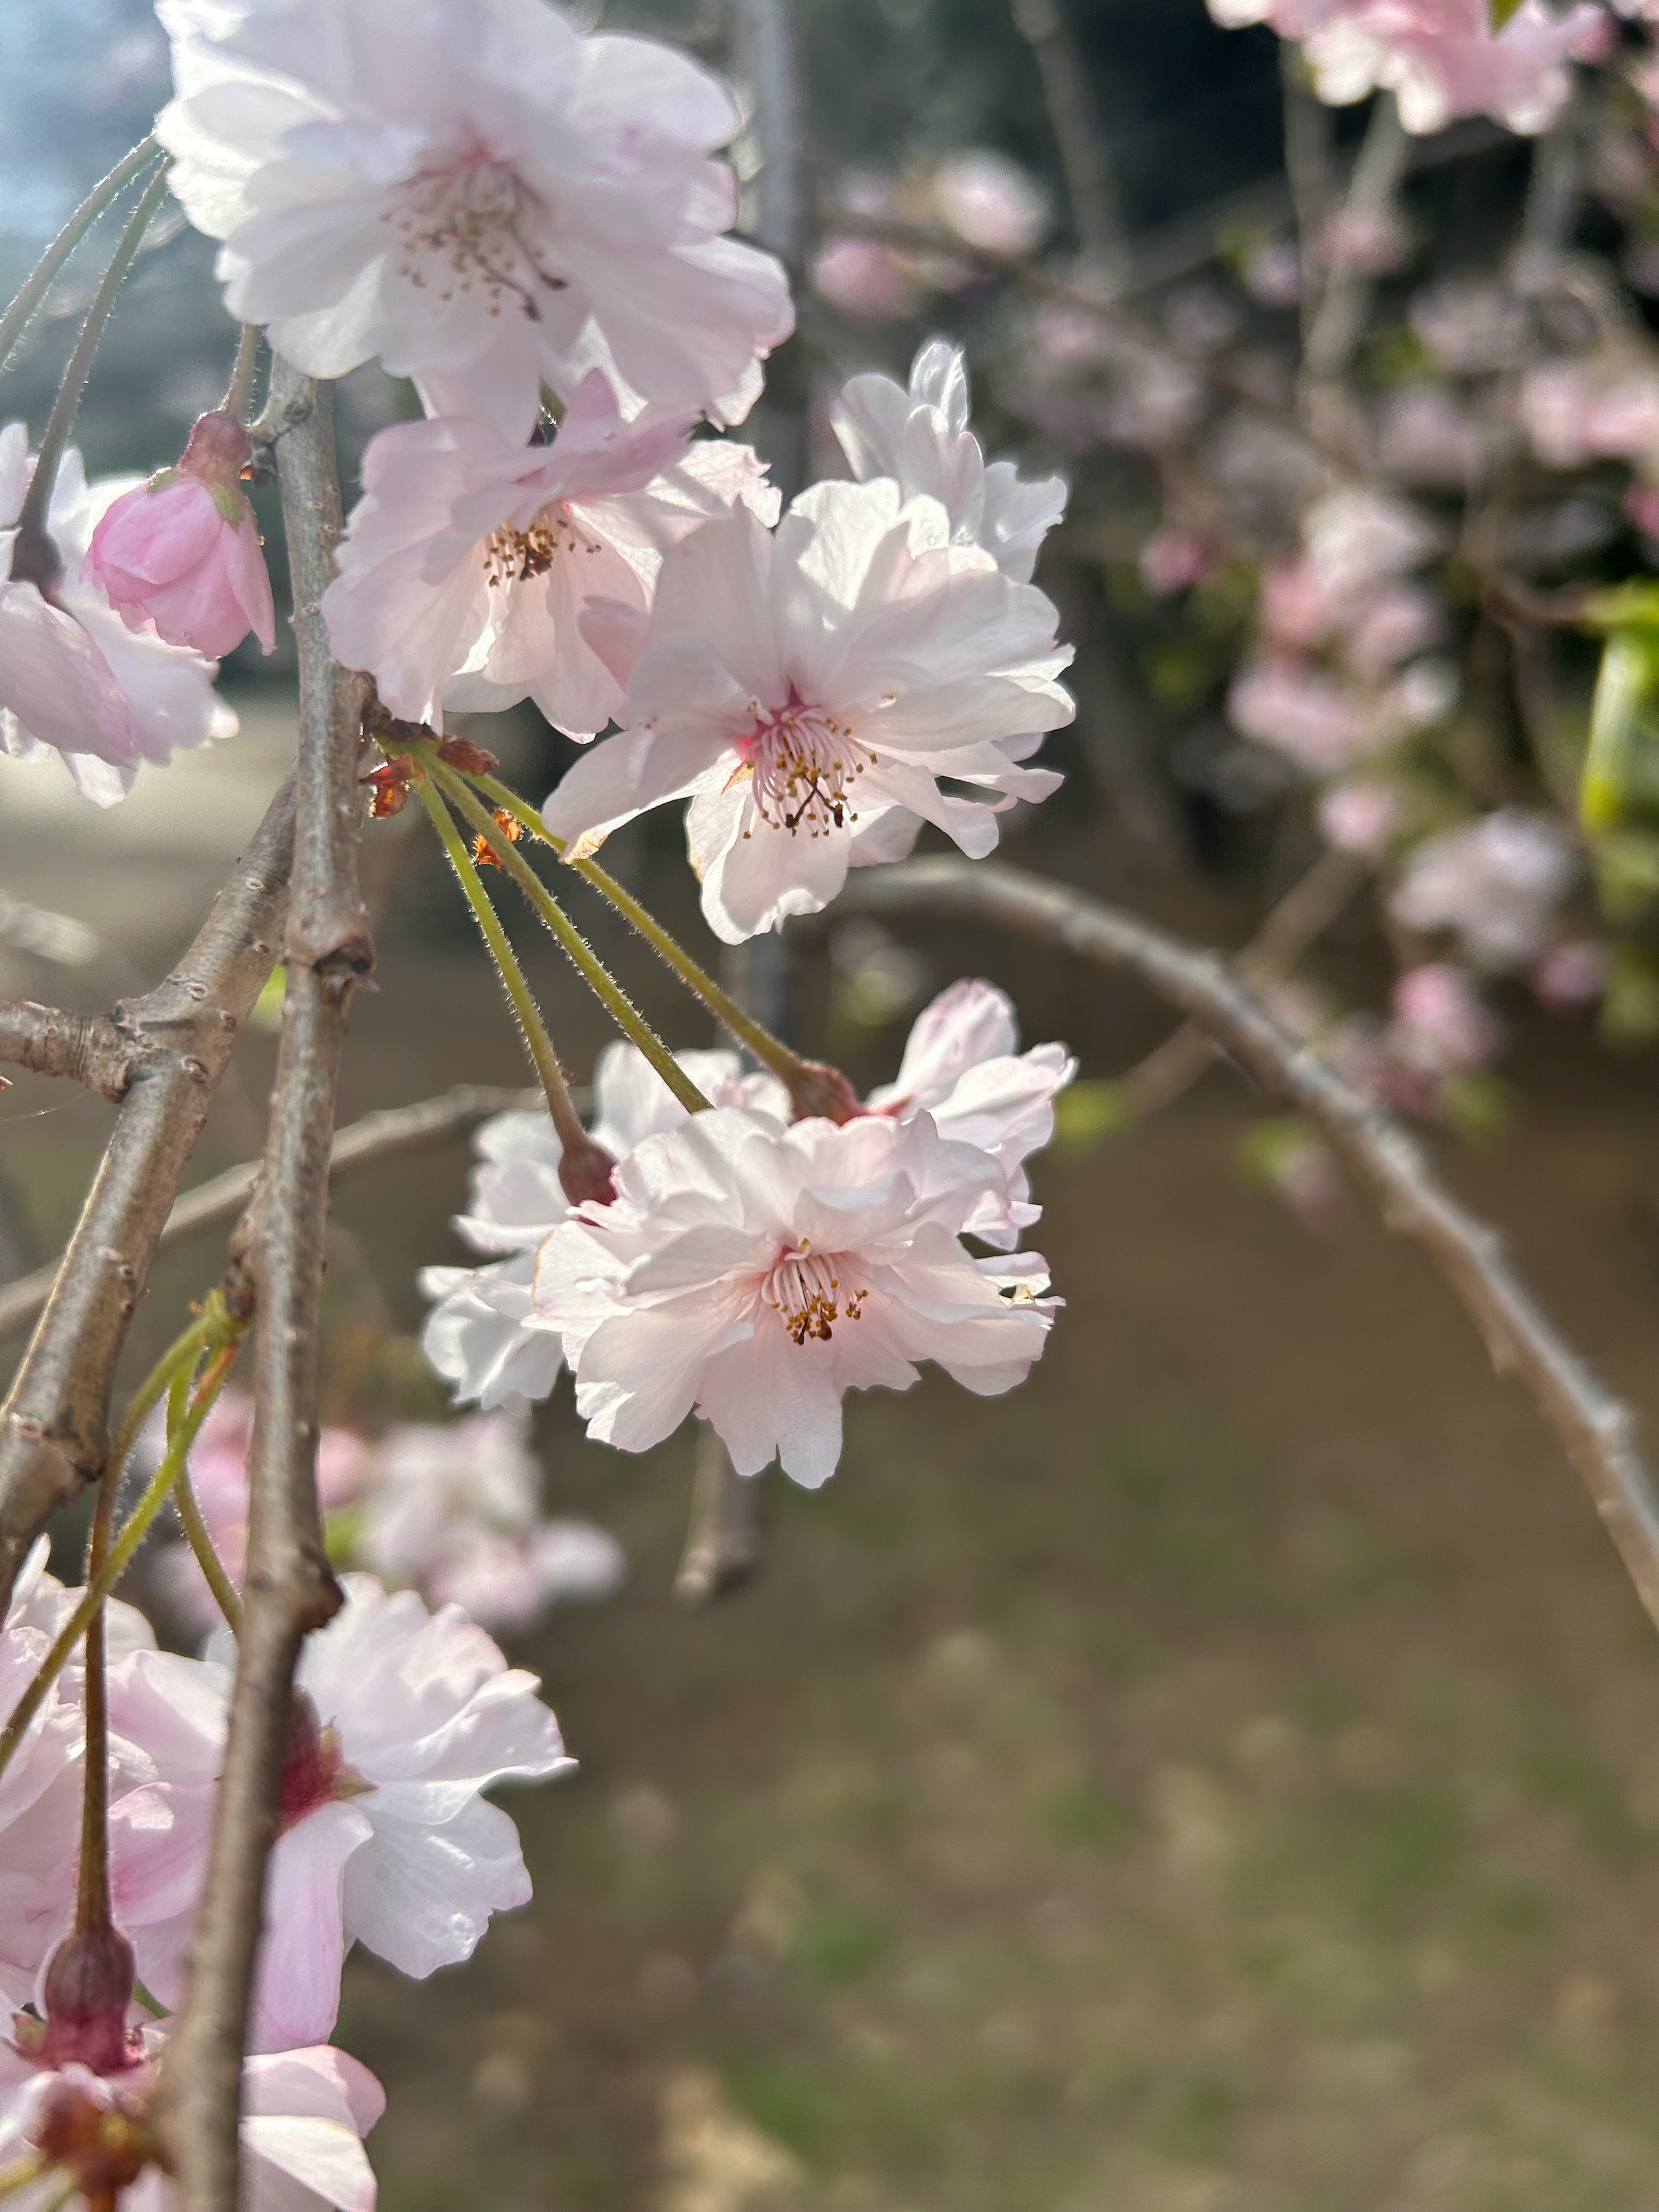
x: 806, y: 1287
x: 515, y: 556
x: 805, y: 763
x: 467, y: 225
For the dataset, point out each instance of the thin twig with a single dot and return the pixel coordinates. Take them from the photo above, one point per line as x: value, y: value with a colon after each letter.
x: 1297, y: 922
x: 390, y: 1134
x: 53, y: 1426
x: 86, y: 1049
x: 1596, y: 1429
x: 1091, y: 184
x: 290, y: 1588
x: 1346, y: 299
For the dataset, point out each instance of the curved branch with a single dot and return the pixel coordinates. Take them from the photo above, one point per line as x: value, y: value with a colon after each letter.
x: 81, y: 1047
x: 1598, y: 1431
x: 53, y: 1423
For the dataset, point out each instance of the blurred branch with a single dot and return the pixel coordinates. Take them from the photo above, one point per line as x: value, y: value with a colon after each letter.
x: 1294, y: 927
x: 1345, y: 302
x: 723, y: 1535
x: 290, y: 1588
x: 391, y: 1134
x: 53, y: 1426
x: 1090, y: 183
x: 1596, y: 1429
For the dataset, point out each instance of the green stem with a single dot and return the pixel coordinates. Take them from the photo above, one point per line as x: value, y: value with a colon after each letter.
x: 38, y: 282
x: 212, y: 1566
x: 33, y: 555
x: 179, y: 1358
x: 593, y: 971
x: 770, y: 1051
x: 239, y: 392
x: 566, y: 1119
x: 119, y: 1559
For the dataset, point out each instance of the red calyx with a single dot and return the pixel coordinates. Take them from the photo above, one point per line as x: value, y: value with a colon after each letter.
x: 87, y: 1991
x: 587, y: 1174
x: 819, y: 1092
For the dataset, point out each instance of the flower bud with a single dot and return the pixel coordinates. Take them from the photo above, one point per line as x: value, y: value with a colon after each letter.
x: 181, y: 554
x: 586, y: 1173
x: 89, y: 1987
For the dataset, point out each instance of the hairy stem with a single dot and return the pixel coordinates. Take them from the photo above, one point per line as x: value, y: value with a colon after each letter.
x: 538, y: 1043
x: 33, y: 557
x: 207, y: 1559
x: 38, y: 282
x: 597, y: 977
x: 239, y: 392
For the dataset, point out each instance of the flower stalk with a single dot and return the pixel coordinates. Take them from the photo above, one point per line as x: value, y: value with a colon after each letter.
x: 38, y: 282
x: 238, y: 401
x: 35, y: 559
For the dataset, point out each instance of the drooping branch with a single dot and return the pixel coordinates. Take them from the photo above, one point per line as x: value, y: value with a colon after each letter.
x: 54, y: 1421
x: 1597, y: 1429
x: 290, y: 1587
x: 87, y: 1048
x: 391, y: 1133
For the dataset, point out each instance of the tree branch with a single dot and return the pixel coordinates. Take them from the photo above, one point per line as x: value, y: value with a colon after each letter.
x: 389, y: 1134
x: 84, y: 1049
x: 290, y: 1589
x: 1091, y: 182
x: 53, y: 1423
x: 1597, y: 1430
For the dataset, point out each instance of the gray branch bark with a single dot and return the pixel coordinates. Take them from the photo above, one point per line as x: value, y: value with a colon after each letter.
x: 290, y: 1589
x: 1598, y: 1431
x: 84, y: 1049
x: 53, y: 1425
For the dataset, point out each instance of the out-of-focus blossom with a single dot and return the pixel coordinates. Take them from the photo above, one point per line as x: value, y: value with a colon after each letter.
x: 919, y: 437
x: 1472, y: 325
x: 1374, y: 241
x: 1310, y: 717
x: 455, y: 1511
x: 1440, y: 1023
x: 1424, y: 437
x: 990, y: 202
x: 482, y: 197
x: 757, y: 1272
x: 1495, y: 884
x: 386, y: 1839
x: 468, y: 561
x: 1173, y: 561
x: 74, y: 678
x: 1571, y: 976
x: 182, y: 552
x: 1602, y: 408
x: 864, y: 277
x: 1271, y: 273
x: 806, y: 688
x: 1359, y: 817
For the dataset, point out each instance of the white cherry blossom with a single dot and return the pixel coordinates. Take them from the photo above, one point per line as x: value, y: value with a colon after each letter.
x: 1496, y: 885
x: 387, y: 1838
x: 74, y: 678
x: 468, y: 560
x: 919, y: 437
x: 808, y: 689
x: 482, y: 196
x: 756, y: 1273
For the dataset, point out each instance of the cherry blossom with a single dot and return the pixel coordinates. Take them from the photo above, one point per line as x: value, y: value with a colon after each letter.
x: 991, y: 201
x: 39, y: 1814
x: 512, y: 201
x: 304, y: 2114
x: 1580, y: 411
x: 756, y: 1272
x: 455, y: 1510
x: 921, y: 438
x: 468, y: 560
x: 807, y: 689
x: 74, y: 678
x: 1495, y: 884
x: 405, y: 1718
x: 182, y: 552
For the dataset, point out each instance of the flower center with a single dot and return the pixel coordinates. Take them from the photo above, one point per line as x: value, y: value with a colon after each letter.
x: 807, y: 1288
x: 513, y: 556
x: 461, y: 227
x: 804, y: 763
x: 315, y: 1772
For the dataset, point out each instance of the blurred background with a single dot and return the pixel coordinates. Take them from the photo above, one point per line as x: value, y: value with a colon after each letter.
x: 1221, y: 1776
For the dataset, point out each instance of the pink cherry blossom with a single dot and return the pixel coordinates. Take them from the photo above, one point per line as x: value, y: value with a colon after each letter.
x: 864, y: 277
x: 757, y: 1272
x: 74, y: 679
x: 1571, y: 976
x: 512, y: 201
x: 1440, y: 1023
x: 1494, y: 884
x: 919, y: 437
x: 387, y: 1839
x: 455, y: 1511
x: 802, y: 687
x: 468, y: 561
x: 1582, y: 411
x: 182, y: 552
x: 1359, y: 817
x: 304, y: 2115
x: 39, y: 1814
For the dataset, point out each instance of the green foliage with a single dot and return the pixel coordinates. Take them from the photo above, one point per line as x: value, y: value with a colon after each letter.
x: 1620, y: 787
x: 1498, y: 13
x: 832, y: 1949
x: 1630, y: 1007
x: 1086, y: 1114
x: 1078, y: 1816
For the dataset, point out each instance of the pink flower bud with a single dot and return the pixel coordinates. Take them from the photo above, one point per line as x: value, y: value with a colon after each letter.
x: 181, y: 555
